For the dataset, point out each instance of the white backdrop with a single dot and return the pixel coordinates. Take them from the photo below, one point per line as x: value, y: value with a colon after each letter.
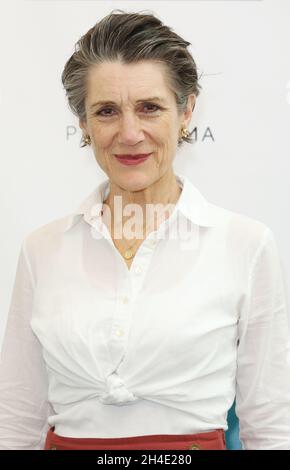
x: 240, y: 159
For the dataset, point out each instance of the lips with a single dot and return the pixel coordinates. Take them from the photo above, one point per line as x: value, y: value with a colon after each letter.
x: 132, y: 159
x: 131, y: 156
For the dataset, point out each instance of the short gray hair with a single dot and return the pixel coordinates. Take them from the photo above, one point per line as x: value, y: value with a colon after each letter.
x: 130, y: 38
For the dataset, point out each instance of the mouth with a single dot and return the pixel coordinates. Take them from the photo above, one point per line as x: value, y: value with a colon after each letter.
x: 130, y: 159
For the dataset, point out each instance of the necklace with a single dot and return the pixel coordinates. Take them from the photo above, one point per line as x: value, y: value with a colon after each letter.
x: 129, y: 253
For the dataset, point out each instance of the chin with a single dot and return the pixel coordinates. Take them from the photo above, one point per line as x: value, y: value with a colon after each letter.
x: 135, y: 181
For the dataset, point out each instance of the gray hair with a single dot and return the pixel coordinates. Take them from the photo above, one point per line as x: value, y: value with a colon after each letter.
x: 131, y: 37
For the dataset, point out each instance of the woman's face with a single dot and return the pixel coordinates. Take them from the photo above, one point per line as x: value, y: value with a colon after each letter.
x: 138, y: 115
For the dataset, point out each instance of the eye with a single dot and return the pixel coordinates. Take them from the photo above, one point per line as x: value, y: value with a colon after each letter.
x: 105, y: 112
x: 152, y: 105
x: 99, y: 113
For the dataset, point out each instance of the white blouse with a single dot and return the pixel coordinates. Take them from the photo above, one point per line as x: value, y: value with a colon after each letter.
x: 99, y: 350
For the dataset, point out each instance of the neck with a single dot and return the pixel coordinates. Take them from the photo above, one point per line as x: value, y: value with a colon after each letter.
x: 162, y: 196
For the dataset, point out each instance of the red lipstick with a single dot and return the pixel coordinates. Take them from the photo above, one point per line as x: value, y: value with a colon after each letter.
x: 132, y: 159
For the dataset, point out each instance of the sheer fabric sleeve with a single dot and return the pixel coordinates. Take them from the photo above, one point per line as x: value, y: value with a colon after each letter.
x: 23, y: 378
x: 263, y: 360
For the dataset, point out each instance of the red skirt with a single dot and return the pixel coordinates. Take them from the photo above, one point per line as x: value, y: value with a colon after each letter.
x: 213, y: 440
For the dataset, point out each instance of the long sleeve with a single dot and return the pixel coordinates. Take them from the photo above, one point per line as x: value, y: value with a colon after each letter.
x: 263, y: 361
x: 23, y: 378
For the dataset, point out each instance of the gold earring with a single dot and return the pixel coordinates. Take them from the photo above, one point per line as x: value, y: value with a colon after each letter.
x: 87, y: 140
x: 184, y: 132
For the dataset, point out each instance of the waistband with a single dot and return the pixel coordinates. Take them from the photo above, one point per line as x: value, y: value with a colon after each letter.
x: 212, y: 440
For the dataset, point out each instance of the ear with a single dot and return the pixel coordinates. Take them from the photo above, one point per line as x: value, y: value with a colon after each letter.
x: 83, y: 126
x: 190, y: 107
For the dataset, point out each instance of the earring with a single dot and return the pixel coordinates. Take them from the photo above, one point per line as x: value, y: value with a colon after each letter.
x: 86, y: 140
x: 184, y: 132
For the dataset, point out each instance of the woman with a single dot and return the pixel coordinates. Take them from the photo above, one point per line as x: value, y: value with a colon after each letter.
x: 138, y: 332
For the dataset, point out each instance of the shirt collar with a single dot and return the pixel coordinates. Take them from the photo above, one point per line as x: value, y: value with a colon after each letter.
x: 191, y: 203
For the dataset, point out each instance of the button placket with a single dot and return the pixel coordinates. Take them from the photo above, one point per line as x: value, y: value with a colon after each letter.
x: 138, y: 269
x: 121, y: 325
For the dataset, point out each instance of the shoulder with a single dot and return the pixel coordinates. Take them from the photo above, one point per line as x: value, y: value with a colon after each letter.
x: 241, y: 232
x: 49, y: 233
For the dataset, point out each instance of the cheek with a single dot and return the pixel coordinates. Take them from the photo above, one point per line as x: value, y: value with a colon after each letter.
x: 168, y: 128
x: 162, y: 131
x: 102, y: 135
x: 103, y: 150
x: 168, y: 139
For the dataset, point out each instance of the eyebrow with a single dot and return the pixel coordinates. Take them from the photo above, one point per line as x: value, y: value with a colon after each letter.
x: 109, y: 102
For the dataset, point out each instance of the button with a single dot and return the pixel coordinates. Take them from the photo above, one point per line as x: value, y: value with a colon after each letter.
x: 138, y: 269
x: 125, y: 299
x: 119, y: 332
x: 195, y: 447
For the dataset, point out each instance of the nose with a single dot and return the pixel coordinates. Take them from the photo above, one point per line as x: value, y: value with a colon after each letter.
x: 130, y: 130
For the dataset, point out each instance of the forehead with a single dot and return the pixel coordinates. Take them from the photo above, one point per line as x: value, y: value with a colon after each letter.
x: 111, y: 80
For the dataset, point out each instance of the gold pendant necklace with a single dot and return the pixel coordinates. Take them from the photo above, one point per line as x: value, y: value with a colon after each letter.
x: 129, y: 253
